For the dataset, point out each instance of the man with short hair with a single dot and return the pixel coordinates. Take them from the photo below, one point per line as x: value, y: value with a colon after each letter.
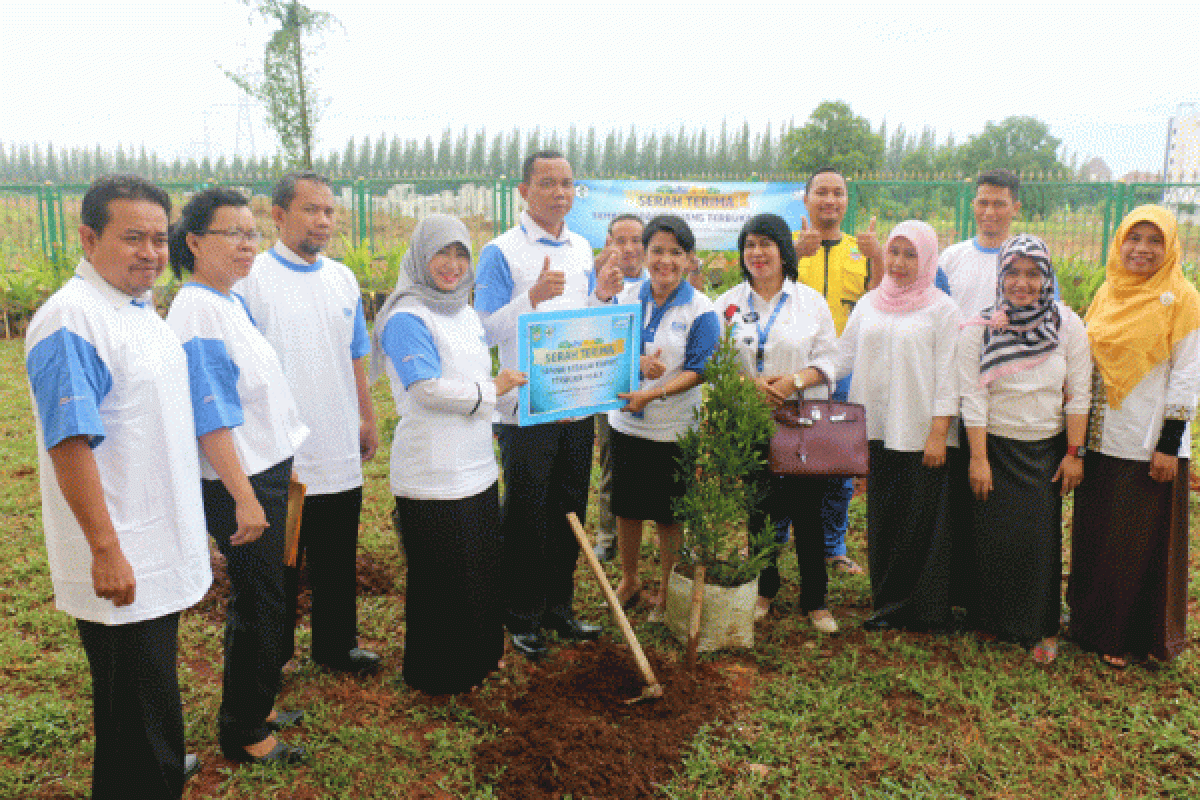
x: 309, y: 308
x: 120, y: 484
x: 623, y: 246
x: 540, y: 265
x: 970, y: 265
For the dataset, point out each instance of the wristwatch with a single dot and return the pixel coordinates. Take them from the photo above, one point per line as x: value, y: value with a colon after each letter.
x: 1079, y: 451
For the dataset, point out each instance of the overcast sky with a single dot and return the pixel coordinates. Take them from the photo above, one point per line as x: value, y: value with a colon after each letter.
x: 150, y: 73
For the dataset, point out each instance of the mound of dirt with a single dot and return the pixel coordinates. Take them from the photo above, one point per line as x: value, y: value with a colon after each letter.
x: 569, y: 731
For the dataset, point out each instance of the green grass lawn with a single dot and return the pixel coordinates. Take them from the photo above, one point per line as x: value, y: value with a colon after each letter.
x: 853, y: 715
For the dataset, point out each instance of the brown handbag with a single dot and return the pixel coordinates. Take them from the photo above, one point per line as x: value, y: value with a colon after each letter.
x: 819, y: 437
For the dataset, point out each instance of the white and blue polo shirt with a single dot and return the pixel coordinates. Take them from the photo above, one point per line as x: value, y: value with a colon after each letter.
x: 687, y: 331
x: 509, y: 266
x: 104, y: 365
x: 235, y: 378
x: 440, y: 370
x: 313, y: 317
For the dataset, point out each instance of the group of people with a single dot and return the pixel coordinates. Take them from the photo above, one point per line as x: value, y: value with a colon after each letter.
x: 983, y: 410
x: 152, y: 433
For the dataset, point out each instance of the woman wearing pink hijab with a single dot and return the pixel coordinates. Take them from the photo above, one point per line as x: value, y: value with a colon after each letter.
x: 900, y: 344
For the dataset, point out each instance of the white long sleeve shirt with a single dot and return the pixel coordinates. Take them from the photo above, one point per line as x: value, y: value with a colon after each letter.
x: 1032, y: 404
x: 802, y: 335
x: 904, y: 370
x: 1168, y: 391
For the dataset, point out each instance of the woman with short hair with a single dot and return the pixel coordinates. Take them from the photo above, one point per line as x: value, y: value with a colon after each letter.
x: 785, y: 338
x: 680, y: 332
x: 249, y: 429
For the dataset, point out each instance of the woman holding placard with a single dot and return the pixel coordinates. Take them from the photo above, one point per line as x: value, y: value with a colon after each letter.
x: 679, y: 334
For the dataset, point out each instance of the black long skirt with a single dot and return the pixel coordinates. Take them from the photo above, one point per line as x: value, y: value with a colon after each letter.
x: 1018, y: 541
x: 908, y: 540
x: 1129, y: 554
x: 454, y: 630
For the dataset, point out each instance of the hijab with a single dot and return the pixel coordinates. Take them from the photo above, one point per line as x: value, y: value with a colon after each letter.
x: 894, y: 299
x: 1019, y: 337
x: 415, y: 286
x: 1135, y: 321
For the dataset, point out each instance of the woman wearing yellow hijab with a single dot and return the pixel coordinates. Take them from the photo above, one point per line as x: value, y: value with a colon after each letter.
x: 1128, y: 588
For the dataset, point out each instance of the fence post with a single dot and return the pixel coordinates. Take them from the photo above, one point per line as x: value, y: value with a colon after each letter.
x: 1106, y: 230
x: 962, y: 211
x: 370, y: 219
x: 360, y: 208
x: 41, y: 201
x: 53, y: 223
x: 851, y: 207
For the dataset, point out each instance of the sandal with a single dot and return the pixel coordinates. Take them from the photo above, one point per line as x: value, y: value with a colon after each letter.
x: 844, y: 565
x: 1116, y: 662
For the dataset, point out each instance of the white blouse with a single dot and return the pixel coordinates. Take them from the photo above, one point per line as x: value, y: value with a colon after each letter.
x: 904, y: 370
x: 1168, y: 391
x: 802, y: 335
x: 1032, y: 404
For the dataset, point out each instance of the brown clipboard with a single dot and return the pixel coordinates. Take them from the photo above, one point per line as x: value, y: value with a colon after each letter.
x: 295, y: 512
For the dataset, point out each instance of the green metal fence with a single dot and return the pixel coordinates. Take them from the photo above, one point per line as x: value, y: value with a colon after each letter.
x: 1077, y: 220
x: 375, y: 217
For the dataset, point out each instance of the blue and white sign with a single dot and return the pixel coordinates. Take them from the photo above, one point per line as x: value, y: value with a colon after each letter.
x: 577, y: 361
x: 716, y: 212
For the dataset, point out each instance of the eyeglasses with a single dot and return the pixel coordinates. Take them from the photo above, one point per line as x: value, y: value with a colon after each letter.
x: 236, y: 236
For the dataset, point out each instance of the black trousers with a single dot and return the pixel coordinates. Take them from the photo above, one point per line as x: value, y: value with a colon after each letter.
x: 547, y: 469
x: 329, y: 546
x: 136, y: 709
x: 257, y: 613
x: 799, y: 498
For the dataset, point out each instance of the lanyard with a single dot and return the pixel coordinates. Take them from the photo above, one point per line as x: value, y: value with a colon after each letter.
x: 763, y: 333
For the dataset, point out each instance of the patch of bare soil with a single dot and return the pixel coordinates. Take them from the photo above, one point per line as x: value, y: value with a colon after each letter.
x: 568, y: 729
x: 373, y: 579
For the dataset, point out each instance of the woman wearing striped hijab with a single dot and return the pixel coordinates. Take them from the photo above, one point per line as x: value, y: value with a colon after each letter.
x: 1024, y: 374
x: 1129, y: 579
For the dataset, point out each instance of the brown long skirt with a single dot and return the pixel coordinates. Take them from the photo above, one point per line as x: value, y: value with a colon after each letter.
x: 1128, y: 587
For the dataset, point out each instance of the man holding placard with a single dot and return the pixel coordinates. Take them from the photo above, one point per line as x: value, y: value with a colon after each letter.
x: 540, y: 265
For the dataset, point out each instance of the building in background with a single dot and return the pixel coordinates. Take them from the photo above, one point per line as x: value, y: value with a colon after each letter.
x: 1181, y: 163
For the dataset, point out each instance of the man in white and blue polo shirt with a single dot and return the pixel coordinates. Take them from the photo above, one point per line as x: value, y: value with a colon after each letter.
x: 309, y: 308
x: 120, y: 480
x: 540, y: 265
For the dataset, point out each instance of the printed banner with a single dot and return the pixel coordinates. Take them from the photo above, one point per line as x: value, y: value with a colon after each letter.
x: 577, y: 361
x: 715, y: 211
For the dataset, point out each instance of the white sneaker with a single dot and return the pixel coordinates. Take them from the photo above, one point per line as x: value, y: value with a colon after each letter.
x: 823, y: 621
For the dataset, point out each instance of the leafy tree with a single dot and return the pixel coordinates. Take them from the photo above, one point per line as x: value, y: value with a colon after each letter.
x: 833, y: 137
x: 286, y: 87
x: 1021, y: 144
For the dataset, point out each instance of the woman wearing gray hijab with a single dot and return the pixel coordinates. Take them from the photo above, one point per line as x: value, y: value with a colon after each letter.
x: 443, y: 469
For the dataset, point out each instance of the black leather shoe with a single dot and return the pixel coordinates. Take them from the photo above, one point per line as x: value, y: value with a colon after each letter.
x: 191, y: 765
x: 280, y: 756
x: 572, y: 629
x: 605, y: 553
x: 530, y: 645
x: 357, y: 662
x: 286, y: 719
